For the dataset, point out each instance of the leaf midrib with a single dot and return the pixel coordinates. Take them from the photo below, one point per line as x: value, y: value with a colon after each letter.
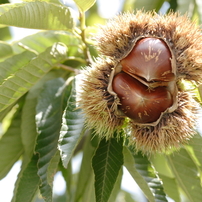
x: 105, y: 170
x: 179, y: 179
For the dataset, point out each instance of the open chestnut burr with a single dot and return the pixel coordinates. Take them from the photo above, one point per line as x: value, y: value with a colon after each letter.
x: 136, y: 85
x: 145, y: 85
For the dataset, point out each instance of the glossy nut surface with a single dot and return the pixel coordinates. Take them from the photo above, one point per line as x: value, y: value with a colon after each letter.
x: 137, y: 101
x: 150, y: 59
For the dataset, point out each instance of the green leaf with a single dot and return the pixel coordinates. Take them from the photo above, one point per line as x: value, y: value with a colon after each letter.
x: 52, y: 168
x: 117, y: 187
x: 28, y: 182
x: 141, y: 170
x: 13, y: 64
x: 196, y: 144
x: 67, y: 175
x: 107, y: 162
x: 72, y: 126
x: 5, y: 49
x: 143, y: 4
x: 18, y: 84
x: 11, y: 147
x: 171, y: 188
x: 89, y: 194
x: 199, y: 10
x: 28, y: 124
x: 124, y: 196
x: 84, y: 5
x: 185, y: 8
x: 48, y: 120
x: 186, y: 174
x: 37, y: 15
x: 29, y: 133
x: 86, y: 170
x: 44, y: 39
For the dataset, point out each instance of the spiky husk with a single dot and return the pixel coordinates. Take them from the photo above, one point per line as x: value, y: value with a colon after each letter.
x: 98, y: 105
x: 174, y: 129
x: 116, y: 39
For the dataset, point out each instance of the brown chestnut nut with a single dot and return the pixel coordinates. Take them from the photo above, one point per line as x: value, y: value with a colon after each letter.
x: 138, y: 102
x: 150, y: 59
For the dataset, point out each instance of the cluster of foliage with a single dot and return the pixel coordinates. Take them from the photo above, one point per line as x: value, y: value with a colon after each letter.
x: 44, y: 128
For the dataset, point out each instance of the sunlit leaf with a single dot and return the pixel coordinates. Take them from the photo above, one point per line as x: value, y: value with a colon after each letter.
x: 72, y: 125
x: 13, y: 64
x: 44, y: 39
x: 48, y: 120
x: 84, y: 5
x: 107, y: 162
x: 141, y: 170
x: 37, y: 15
x: 5, y: 49
x: 19, y: 83
x: 11, y: 147
x: 186, y: 175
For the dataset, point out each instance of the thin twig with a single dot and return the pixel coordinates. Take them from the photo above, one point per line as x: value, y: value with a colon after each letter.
x: 76, y: 71
x: 83, y: 38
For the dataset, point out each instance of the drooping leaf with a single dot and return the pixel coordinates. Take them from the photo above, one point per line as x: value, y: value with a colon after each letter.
x: 86, y: 170
x: 37, y: 15
x: 52, y: 168
x: 28, y: 124
x: 107, y: 162
x: 48, y: 121
x: 171, y: 188
x: 117, y: 187
x: 68, y: 177
x: 11, y: 147
x: 28, y: 182
x: 196, y: 144
x: 18, y: 84
x: 141, y: 170
x: 186, y: 174
x: 84, y: 5
x: 170, y: 185
x: 72, y: 126
x: 125, y: 196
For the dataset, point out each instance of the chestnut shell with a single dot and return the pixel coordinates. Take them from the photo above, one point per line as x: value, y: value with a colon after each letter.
x: 149, y: 71
x: 138, y: 102
x: 149, y: 59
